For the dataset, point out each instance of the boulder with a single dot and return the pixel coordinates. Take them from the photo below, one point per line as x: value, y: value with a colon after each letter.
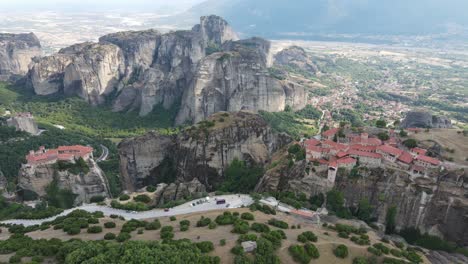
x: 424, y: 119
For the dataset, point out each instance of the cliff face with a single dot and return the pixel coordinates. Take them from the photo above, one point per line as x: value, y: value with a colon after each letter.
x: 295, y: 57
x: 425, y: 120
x: 205, y: 70
x: 24, y: 123
x: 438, y: 207
x: 37, y: 178
x: 201, y: 152
x: 237, y: 79
x: 16, y: 53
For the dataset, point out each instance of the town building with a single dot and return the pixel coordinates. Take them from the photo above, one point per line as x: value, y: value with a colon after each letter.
x: 330, y: 134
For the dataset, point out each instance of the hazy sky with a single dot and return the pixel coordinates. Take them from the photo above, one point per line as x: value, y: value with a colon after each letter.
x: 97, y: 5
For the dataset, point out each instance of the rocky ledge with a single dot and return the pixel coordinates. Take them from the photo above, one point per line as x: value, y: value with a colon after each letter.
x: 16, y: 53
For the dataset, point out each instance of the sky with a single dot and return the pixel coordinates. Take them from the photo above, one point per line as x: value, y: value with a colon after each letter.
x: 96, y: 5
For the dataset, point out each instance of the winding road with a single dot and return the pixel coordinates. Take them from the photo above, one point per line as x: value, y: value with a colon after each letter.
x: 104, y: 154
x: 232, y: 201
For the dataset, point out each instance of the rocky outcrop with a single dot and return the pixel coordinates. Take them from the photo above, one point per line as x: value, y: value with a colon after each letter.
x: 200, y: 152
x: 295, y: 57
x: 3, y: 182
x: 235, y: 80
x: 423, y: 119
x: 439, y: 207
x: 24, y: 123
x: 178, y: 191
x: 88, y: 70
x: 84, y: 186
x: 204, y: 70
x: 16, y: 53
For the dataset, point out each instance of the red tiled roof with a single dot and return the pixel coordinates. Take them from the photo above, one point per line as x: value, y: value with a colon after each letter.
x: 418, y: 168
x: 347, y: 160
x: 314, y: 148
x: 419, y: 151
x: 390, y: 150
x: 76, y: 148
x: 428, y: 159
x: 334, y: 145
x: 363, y: 148
x: 365, y: 154
x: 333, y: 164
x: 405, y: 157
x: 312, y: 142
x: 330, y: 132
x: 341, y: 154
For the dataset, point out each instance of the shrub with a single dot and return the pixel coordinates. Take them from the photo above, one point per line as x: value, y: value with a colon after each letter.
x: 247, y: 216
x: 113, y: 216
x: 122, y: 237
x: 184, y: 228
x: 360, y: 260
x: 247, y: 237
x: 222, y: 242
x: 375, y: 251
x: 37, y: 259
x: 399, y: 245
x: 185, y: 223
x: 396, y: 252
x: 204, y: 221
x: 167, y: 232
x: 97, y: 199
x: 412, y: 256
x: 343, y: 234
x: 140, y: 231
x: 15, y: 259
x: 212, y: 225
x: 241, y: 227
x: 155, y: 225
x: 237, y: 250
x: 226, y: 219
x: 172, y: 218
x: 341, y: 251
x: 150, y: 188
x: 299, y: 254
x: 382, y: 248
x: 94, y: 229
x: 109, y: 224
x: 74, y: 230
x: 142, y: 198
x: 278, y: 223
x: 312, y: 250
x: 393, y: 261
x: 124, y: 197
x: 132, y: 225
x: 93, y: 221
x: 205, y: 246
x: 109, y: 236
x: 260, y: 228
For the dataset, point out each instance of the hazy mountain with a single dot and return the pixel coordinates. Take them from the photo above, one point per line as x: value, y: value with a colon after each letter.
x: 281, y: 18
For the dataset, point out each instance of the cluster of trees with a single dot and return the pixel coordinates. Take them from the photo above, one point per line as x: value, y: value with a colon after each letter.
x: 241, y: 178
x: 290, y: 123
x: 12, y: 210
x: 304, y: 253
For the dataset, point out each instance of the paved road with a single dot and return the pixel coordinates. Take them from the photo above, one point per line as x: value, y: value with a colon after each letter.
x: 104, y: 154
x: 232, y: 201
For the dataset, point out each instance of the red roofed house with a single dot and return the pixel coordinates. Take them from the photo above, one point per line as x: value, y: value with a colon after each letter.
x: 334, y: 147
x: 367, y: 158
x: 347, y: 163
x: 64, y: 153
x: 364, y: 140
x: 427, y: 162
x: 405, y: 160
x: 418, y: 151
x: 389, y: 153
x: 330, y: 134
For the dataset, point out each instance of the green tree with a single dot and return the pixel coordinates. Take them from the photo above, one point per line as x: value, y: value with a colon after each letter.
x: 241, y: 178
x: 390, y: 220
x: 410, y: 143
x: 364, y: 210
x: 381, y: 123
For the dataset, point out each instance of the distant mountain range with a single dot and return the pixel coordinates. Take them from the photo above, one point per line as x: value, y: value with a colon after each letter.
x: 286, y: 18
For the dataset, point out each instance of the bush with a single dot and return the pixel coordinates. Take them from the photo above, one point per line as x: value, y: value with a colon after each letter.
x: 343, y: 234
x: 204, y: 221
x: 393, y: 261
x: 167, y: 232
x: 307, y: 236
x: 299, y: 254
x: 15, y: 259
x: 155, y: 225
x: 212, y: 225
x: 123, y: 236
x: 222, y: 242
x: 312, y: 250
x: 109, y: 225
x: 205, y: 246
x: 341, y: 251
x: 382, y: 248
x: 226, y: 219
x: 97, y: 199
x: 94, y: 229
x: 113, y: 216
x: 247, y: 216
x: 109, y: 236
x: 37, y: 259
x: 74, y: 230
x: 184, y: 228
x: 374, y: 251
x: 237, y: 250
x: 278, y: 223
x: 93, y: 221
x: 185, y: 223
x: 396, y: 253
x: 142, y: 198
x: 247, y: 237
x: 140, y: 231
x: 241, y: 227
x: 260, y: 228
x: 172, y: 218
x: 124, y: 197
x: 150, y: 188
x: 360, y: 260
x: 399, y: 245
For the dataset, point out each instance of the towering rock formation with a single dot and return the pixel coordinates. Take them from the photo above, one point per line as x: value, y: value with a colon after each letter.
x: 204, y: 69
x: 24, y: 122
x: 200, y: 152
x: 38, y: 177
x: 296, y: 58
x: 425, y: 120
x: 16, y: 53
